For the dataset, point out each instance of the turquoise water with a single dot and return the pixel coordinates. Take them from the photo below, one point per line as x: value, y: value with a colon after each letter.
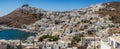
x: 11, y: 34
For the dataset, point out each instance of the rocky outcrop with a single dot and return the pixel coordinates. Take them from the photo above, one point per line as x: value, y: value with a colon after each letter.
x: 24, y: 15
x: 112, y: 9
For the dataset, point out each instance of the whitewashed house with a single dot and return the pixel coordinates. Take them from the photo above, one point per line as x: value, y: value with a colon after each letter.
x: 87, y: 40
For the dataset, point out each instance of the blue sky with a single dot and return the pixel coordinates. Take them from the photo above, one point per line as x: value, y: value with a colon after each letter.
x: 7, y: 6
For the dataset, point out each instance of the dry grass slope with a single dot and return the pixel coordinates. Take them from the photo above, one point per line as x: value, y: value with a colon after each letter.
x: 17, y: 18
x: 114, y: 13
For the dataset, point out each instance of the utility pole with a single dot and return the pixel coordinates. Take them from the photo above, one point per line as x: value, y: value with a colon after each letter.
x: 20, y: 46
x: 94, y: 40
x: 33, y: 44
x: 94, y: 37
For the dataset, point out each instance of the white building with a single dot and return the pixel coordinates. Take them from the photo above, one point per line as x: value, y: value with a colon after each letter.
x: 87, y: 40
x: 105, y: 45
x: 112, y: 42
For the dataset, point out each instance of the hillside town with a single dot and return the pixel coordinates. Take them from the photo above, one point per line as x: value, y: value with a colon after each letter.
x: 75, y: 29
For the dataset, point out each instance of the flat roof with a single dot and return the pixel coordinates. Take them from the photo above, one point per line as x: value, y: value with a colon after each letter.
x: 91, y: 37
x: 116, y: 38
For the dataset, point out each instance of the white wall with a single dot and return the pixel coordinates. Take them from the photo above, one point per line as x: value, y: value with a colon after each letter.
x: 104, y: 45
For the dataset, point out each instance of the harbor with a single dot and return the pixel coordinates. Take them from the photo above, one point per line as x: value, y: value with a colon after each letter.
x: 12, y: 34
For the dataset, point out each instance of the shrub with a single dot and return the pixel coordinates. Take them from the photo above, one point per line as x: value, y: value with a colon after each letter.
x: 50, y: 38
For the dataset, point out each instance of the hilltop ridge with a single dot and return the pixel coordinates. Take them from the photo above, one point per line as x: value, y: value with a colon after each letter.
x: 27, y: 15
x: 21, y: 16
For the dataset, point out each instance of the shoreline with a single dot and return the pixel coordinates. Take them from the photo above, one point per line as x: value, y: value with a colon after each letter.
x: 26, y: 30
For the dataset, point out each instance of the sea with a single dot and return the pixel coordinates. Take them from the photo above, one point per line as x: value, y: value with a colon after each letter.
x: 12, y: 34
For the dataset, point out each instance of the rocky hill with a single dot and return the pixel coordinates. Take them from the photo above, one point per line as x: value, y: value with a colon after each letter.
x: 112, y: 9
x: 23, y: 15
x: 27, y: 15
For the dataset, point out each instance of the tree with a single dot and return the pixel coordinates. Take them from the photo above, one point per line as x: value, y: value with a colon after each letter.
x: 76, y: 39
x: 43, y: 37
x: 50, y: 38
x: 89, y: 32
x: 54, y: 38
